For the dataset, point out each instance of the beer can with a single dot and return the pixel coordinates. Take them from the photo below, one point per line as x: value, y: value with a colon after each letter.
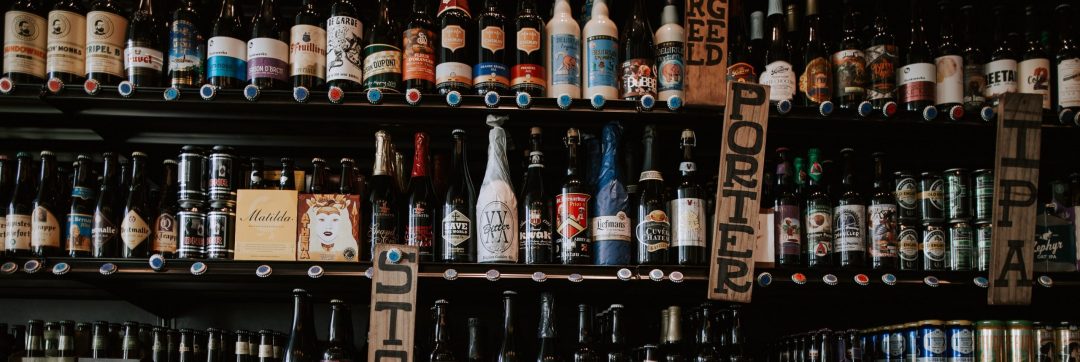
x: 897, y: 343
x: 1019, y: 342
x: 222, y: 183
x: 1067, y: 341
x: 907, y: 196
x: 192, y: 234
x: 984, y: 195
x: 932, y: 197
x: 934, y: 341
x: 934, y: 246
x: 961, y: 341
x: 961, y: 243
x: 982, y: 246
x: 220, y: 235
x: 1045, y: 342
x: 190, y: 177
x: 910, y: 243
x: 990, y: 341
x: 958, y: 194
x: 911, y: 342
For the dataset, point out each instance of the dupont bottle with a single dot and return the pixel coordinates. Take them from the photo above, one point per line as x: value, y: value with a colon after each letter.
x: 815, y: 82
x: 18, y: 224
x: 637, y: 71
x: 307, y: 47
x: 25, y: 36
x: 572, y: 208
x: 491, y: 73
x: 382, y: 56
x: 562, y: 59
x: 106, y: 30
x: 382, y: 202
x: 105, y: 234
x: 818, y: 215
x: 418, y: 47
x: 1034, y: 68
x: 496, y: 206
x: 918, y: 75
x: 187, y: 50
x: 454, y: 70
x: 1001, y: 70
x: 849, y: 62
x: 881, y: 224
x: 670, y: 47
x: 778, y: 73
x: 653, y: 229
x: 687, y: 209
x: 949, y: 94
x: 881, y: 60
x: 527, y: 75
x: 165, y: 230
x: 458, y: 237
x: 1068, y: 62
x: 420, y: 218
x: 80, y: 219
x: 45, y: 223
x: 267, y: 52
x: 144, y: 55
x: 601, y: 52
x: 849, y: 219
x: 344, y: 47
x: 226, y: 51
x: 610, y: 225
x: 66, y: 49
x: 535, y: 229
x: 974, y: 61
x: 135, y: 226
x: 787, y: 229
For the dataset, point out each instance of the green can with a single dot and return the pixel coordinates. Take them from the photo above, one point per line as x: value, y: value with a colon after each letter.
x: 1019, y: 342
x: 982, y: 246
x: 984, y: 195
x: 961, y: 243
x: 957, y: 194
x: 990, y: 341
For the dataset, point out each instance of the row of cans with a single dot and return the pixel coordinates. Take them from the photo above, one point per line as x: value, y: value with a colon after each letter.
x: 953, y: 196
x: 207, y: 234
x: 207, y: 179
x: 935, y: 246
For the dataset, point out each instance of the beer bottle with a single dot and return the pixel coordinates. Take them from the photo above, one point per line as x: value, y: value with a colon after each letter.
x: 949, y: 95
x: 187, y: 52
x: 791, y: 25
x: 35, y: 339
x: 125, y: 179
x: 129, y: 346
x: 849, y: 61
x: 653, y: 228
x: 918, y: 75
x: 882, y: 219
x: 418, y: 44
x: 383, y: 200
x: 740, y: 64
x: 585, y: 351
x: 815, y: 83
x: 398, y: 169
x: 974, y: 61
x: 104, y: 234
x: 65, y: 54
x: 1034, y: 69
x: 160, y: 351
x: 288, y: 174
x: 25, y: 41
x: 382, y: 56
x: 617, y: 347
x: 459, y: 208
x: 106, y: 30
x: 707, y: 350
x: 688, y: 217
x: 881, y: 58
x: 548, y: 350
x: 601, y: 52
x: 255, y: 181
x: 344, y: 34
x: 241, y: 350
x: 226, y: 53
x: 454, y: 69
x: 474, y: 352
x: 849, y: 218
x: 508, y: 351
x: 638, y: 70
x: 441, y: 351
x: 491, y: 73
x: 187, y: 345
x: 65, y: 341
x: 778, y: 73
x: 318, y: 177
x: 266, y: 346
x: 347, y: 180
x: 143, y: 57
x: 80, y: 219
x: 301, y: 345
x: 165, y: 234
x: 267, y: 52
x: 135, y: 228
x: 1001, y: 70
x: 562, y: 59
x: 536, y: 208
x: 307, y: 47
x: 422, y: 201
x: 787, y: 229
x: 610, y: 226
x: 670, y: 47
x: 1068, y: 62
x: 818, y: 215
x: 45, y: 226
x: 758, y: 46
x: 671, y: 345
x: 496, y: 205
x: 527, y: 75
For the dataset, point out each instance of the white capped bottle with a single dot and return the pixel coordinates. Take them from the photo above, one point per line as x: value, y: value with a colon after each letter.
x: 601, y: 52
x: 670, y: 43
x: 496, y: 205
x: 562, y: 53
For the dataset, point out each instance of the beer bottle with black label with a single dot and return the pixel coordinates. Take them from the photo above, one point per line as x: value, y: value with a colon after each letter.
x: 1001, y: 70
x: 307, y: 47
x: 135, y: 227
x: 881, y: 58
x: 1068, y: 63
x: 459, y: 208
x: 653, y: 229
x: 974, y: 60
x: 454, y: 69
x: 288, y: 174
x: 778, y: 73
x: 815, y: 83
x: 536, y: 208
x: 267, y: 52
x: 383, y: 201
x: 65, y: 53
x: 849, y: 62
x: 882, y: 224
x: 918, y: 75
x: 688, y: 217
x: 419, y: 230
x: 572, y: 208
x: 528, y: 74
x: 104, y: 233
x: 187, y: 53
x: 344, y: 45
x: 418, y: 49
x: 226, y: 51
x: 25, y: 41
x: 165, y: 230
x: 818, y: 215
x: 491, y: 73
x: 787, y: 228
x: 849, y: 218
x: 45, y: 223
x: 638, y: 71
x: 106, y: 30
x: 949, y: 95
x: 382, y: 55
x: 80, y: 219
x: 143, y: 56
x: 1034, y: 68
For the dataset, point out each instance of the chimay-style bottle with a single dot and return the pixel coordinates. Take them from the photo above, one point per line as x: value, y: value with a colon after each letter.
x: 882, y: 224
x: 45, y: 226
x: 80, y: 219
x: 949, y: 94
x: 105, y: 234
x: 344, y: 47
x: 419, y: 229
x: 815, y: 83
x: 166, y: 231
x: 688, y: 217
x: 653, y: 229
x: 818, y: 215
x: 491, y: 73
x: 418, y: 49
x: 849, y: 62
x: 307, y: 47
x: 382, y: 55
x: 528, y: 74
x: 143, y: 54
x: 25, y: 41
x: 135, y: 227
x: 849, y: 218
x: 267, y: 51
x: 383, y: 201
x: 536, y: 208
x: 787, y: 229
x: 106, y: 30
x: 638, y: 64
x: 226, y: 51
x: 454, y: 69
x: 66, y: 47
x: 918, y: 75
x: 187, y: 50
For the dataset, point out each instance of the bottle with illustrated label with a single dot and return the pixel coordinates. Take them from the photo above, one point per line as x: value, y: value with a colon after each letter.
x: 25, y: 39
x: 849, y: 218
x: 637, y: 69
x: 562, y: 52
x: 106, y: 34
x: 949, y: 64
x: 818, y: 215
x: 670, y: 49
x: 778, y: 73
x: 687, y: 210
x: 740, y: 65
x: 573, y: 245
x: 787, y: 224
x: 45, y: 228
x: 918, y: 76
x: 382, y: 54
x: 339, y: 347
x: 307, y: 47
x: 1033, y: 72
x: 226, y: 51
x: 536, y: 209
x: 418, y: 49
x: 491, y: 74
x: 974, y: 60
x: 267, y: 51
x: 1001, y: 70
x: 881, y: 62
x: 80, y: 218
x: 600, y: 48
x: 65, y: 53
x: 816, y: 80
x: 653, y: 229
x: 143, y: 53
x: 344, y: 47
x: 882, y: 226
x: 138, y: 213
x: 187, y: 47
x: 165, y: 230
x: 528, y: 75
x: 849, y: 62
x: 104, y: 234
x: 458, y: 236
x: 1068, y: 63
x: 382, y: 203
x: 611, y: 224
x: 422, y: 202
x: 496, y: 205
x: 454, y: 69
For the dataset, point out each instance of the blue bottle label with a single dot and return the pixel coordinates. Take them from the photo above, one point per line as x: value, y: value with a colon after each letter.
x: 602, y: 59
x: 670, y: 65
x: 227, y: 58
x: 565, y: 59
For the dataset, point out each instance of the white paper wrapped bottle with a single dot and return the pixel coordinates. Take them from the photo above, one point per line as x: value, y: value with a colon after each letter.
x: 562, y: 53
x: 496, y: 205
x: 601, y: 52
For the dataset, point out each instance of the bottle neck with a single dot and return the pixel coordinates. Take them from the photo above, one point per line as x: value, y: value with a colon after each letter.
x: 881, y: 180
x: 420, y: 156
x: 547, y: 319
x: 169, y: 184
x: 339, y: 324
x: 146, y: 7
x: 674, y: 328
x: 228, y: 9
x: 300, y: 306
x: 585, y: 326
x: 442, y: 333
x: 617, y: 338
x: 572, y: 165
x: 705, y: 335
x: 348, y: 178
x: 382, y: 156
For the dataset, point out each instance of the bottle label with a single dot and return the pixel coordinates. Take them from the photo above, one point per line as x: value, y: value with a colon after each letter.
x: 307, y: 50
x: 3, y: 231
x: 528, y: 40
x: 917, y: 82
x: 961, y: 244
x: 906, y: 193
x: 82, y: 192
x: 187, y: 49
x: 105, y: 33
x: 453, y: 38
x: 781, y: 78
x: 18, y: 232
x: 687, y: 167
x: 934, y: 244
x: 456, y: 228
x: 975, y: 85
x: 934, y: 341
x: 79, y: 230
x: 192, y: 233
x: 66, y: 50
x: 670, y: 65
x: 612, y: 227
x: 881, y: 61
x: 24, y: 43
x: 491, y: 74
x: 535, y: 230
x: 963, y: 341
x: 99, y: 342
x: 419, y: 231
x: 241, y: 348
x: 601, y: 57
x: 453, y: 74
x: 638, y: 78
x: 344, y: 48
x: 45, y: 229
x: 1068, y: 82
x: 815, y: 83
x: 166, y: 235
x: 419, y: 55
x: 381, y: 59
x: 226, y: 57
x: 819, y: 229
x: 1000, y: 77
x: 65, y: 343
x: 654, y: 231
x: 268, y: 58
x: 909, y: 244
x: 688, y: 218
x: 849, y: 221
x: 1034, y: 78
x: 266, y: 351
x: 384, y: 225
x: 492, y: 38
x: 788, y: 229
x: 496, y: 233
x: 572, y: 217
x: 950, y: 79
x: 528, y: 74
x: 104, y: 230
x: 217, y: 232
x: 136, y: 55
x: 565, y: 59
x: 849, y: 69
x: 883, y: 230
x: 741, y: 72
x: 133, y: 230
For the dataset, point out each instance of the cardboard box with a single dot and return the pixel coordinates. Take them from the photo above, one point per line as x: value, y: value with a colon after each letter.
x: 266, y: 225
x: 329, y: 228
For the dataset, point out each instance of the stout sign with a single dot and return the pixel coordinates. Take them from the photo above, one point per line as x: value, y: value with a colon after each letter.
x: 706, y: 52
x: 393, y: 304
x: 1016, y: 180
x: 742, y: 160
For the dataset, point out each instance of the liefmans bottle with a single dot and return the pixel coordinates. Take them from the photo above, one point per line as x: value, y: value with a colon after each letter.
x: 419, y: 230
x: 949, y: 94
x: 106, y: 30
x: 849, y: 218
x: 496, y: 205
x: 638, y: 68
x: 187, y: 50
x: 143, y: 55
x: 849, y: 62
x: 815, y: 82
x: 670, y: 49
x: 527, y: 75
x: 882, y: 225
x: 344, y: 47
x: 418, y: 47
x: 382, y: 56
x: 572, y: 208
x: 1001, y: 70
x: 491, y: 73
x: 166, y: 233
x: 453, y: 71
x: 226, y: 51
x: 1034, y: 68
x: 653, y: 229
x: 562, y: 60
x: 80, y: 219
x: 1068, y: 62
x: 105, y: 235
x: 881, y: 60
x: 135, y: 227
x: 66, y: 49
x: 383, y: 200
x: 45, y: 226
x: 787, y: 229
x: 778, y: 73
x: 307, y: 47
x: 818, y: 215
x: 536, y: 208
x: 610, y: 225
x: 458, y: 236
x: 688, y: 217
x: 267, y: 52
x: 25, y: 41
x: 918, y: 76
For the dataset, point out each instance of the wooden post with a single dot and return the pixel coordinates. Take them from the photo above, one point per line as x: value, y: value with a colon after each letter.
x: 1016, y: 181
x: 742, y: 160
x: 391, y: 330
x: 706, y: 52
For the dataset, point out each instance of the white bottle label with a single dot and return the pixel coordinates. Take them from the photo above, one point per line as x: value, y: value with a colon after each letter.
x: 1068, y: 82
x: 105, y: 33
x: 611, y: 227
x: 849, y: 223
x: 133, y: 230
x: 496, y: 224
x: 268, y: 58
x: 24, y: 43
x: 950, y: 79
x: 140, y: 57
x: 688, y: 221
x: 226, y: 57
x: 781, y: 78
x: 18, y: 232
x: 307, y: 50
x: 67, y: 42
x: 917, y: 82
x: 344, y: 49
x: 1000, y: 77
x: 45, y: 229
x: 1034, y: 78
x: 166, y: 235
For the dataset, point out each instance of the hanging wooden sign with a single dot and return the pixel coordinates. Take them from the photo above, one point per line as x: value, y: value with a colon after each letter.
x: 706, y: 52
x: 391, y: 330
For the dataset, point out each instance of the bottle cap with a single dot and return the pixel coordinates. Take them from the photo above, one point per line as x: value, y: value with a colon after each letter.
x: 564, y: 101
x: 956, y: 113
x: 783, y: 106
x: 6, y: 85
x: 575, y: 278
x: 55, y: 85
x: 981, y: 282
x: 539, y: 277
x: 46, y: 153
x: 337, y: 301
x: 931, y: 281
x: 374, y: 96
x: 138, y: 154
x: 798, y: 278
x: 825, y: 108
x: 369, y: 272
x: 125, y: 89
x: 107, y: 269
x: 674, y: 103
x: 301, y: 94
x: 647, y: 102
x: 830, y: 279
x: 656, y: 275
x: 764, y: 279
x: 207, y: 92
x: 888, y: 279
x: 9, y: 267
x: 252, y: 92
x: 929, y: 113
x: 198, y: 268
x: 676, y: 277
x: 61, y: 268
x: 168, y: 161
x: 91, y: 86
x: 492, y: 275
x: 317, y: 160
x: 624, y: 274
x: 315, y: 271
x: 450, y: 274
x: 597, y: 101
x: 263, y: 271
x: 889, y: 109
x: 509, y: 293
x: 157, y: 262
x: 441, y: 301
x: 865, y: 108
x: 453, y: 98
x: 31, y: 266
x: 1046, y: 281
x: 862, y: 279
x: 171, y: 94
x: 491, y: 99
x: 413, y: 96
x: 523, y: 100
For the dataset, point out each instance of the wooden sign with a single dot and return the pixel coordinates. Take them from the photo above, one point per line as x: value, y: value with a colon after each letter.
x: 742, y: 160
x: 706, y: 52
x: 1016, y: 180
x: 391, y: 330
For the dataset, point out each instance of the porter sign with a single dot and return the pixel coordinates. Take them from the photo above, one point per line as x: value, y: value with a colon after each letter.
x: 393, y: 304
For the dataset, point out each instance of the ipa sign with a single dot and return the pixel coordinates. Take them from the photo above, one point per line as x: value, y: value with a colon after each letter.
x: 393, y: 304
x: 706, y: 51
